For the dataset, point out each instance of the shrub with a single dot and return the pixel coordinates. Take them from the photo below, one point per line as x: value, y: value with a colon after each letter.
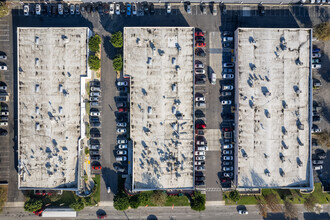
x: 32, y: 205
x: 322, y: 31
x: 197, y: 202
x: 234, y: 195
x: 118, y: 63
x: 86, y: 150
x: 94, y: 43
x: 78, y: 205
x: 143, y: 197
x: 117, y: 39
x: 158, y: 198
x: 134, y: 201
x: 94, y: 63
x: 121, y: 201
x: 3, y: 9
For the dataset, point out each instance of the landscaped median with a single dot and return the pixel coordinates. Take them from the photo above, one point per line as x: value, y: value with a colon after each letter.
x: 276, y: 200
x: 123, y: 201
x: 94, y: 60
x: 34, y: 203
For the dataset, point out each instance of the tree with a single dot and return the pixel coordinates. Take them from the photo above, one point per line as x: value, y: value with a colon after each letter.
x: 94, y: 63
x: 118, y: 63
x: 262, y: 207
x: 310, y: 202
x: 117, y: 39
x: 234, y: 195
x: 78, y: 205
x: 4, y: 10
x: 94, y: 43
x: 121, y: 201
x: 86, y: 150
x: 158, y: 198
x: 273, y: 202
x: 32, y: 205
x: 322, y: 31
x: 134, y: 201
x: 290, y: 210
x: 197, y: 201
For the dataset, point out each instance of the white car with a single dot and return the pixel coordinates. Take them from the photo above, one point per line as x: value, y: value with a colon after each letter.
x: 71, y: 9
x: 316, y: 55
x: 93, y: 99
x: 316, y: 66
x: 243, y: 212
x: 121, y: 141
x: 134, y: 9
x: 3, y: 87
x: 3, y: 67
x: 202, y: 148
x: 199, y: 71
x: 225, y: 39
x: 201, y: 143
x: 228, y: 87
x: 228, y: 158
x: 60, y: 9
x: 122, y: 158
x: 227, y: 168
x: 199, y: 163
x: 226, y: 102
x: 121, y: 124
x: 95, y: 113
x: 200, y: 99
x: 26, y: 10
x: 228, y: 65
x: 3, y: 57
x: 93, y: 89
x: 122, y: 146
x: 112, y: 10
x: 122, y: 83
x: 200, y: 157
x: 95, y: 94
x: 121, y: 130
x: 38, y: 9
x: 168, y: 8
x: 228, y: 76
x: 200, y: 153
x: 121, y: 152
x: 227, y: 146
x: 199, y: 167
x: 117, y: 9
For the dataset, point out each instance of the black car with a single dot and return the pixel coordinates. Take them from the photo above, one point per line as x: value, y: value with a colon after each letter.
x: 3, y: 132
x: 199, y: 183
x: 200, y: 39
x: 95, y: 157
x: 228, y: 116
x: 49, y: 9
x: 316, y: 118
x: 122, y: 9
x: 199, y: 174
x: 95, y: 135
x: 227, y: 44
x: 4, y: 107
x: 321, y: 155
x: 119, y: 168
x: 94, y: 119
x: 145, y: 7
x: 200, y: 82
x: 89, y: 9
x: 94, y: 83
x: 203, y: 8
x: 200, y: 52
x: 66, y: 9
x: 152, y: 8
x: 317, y: 162
x: 200, y: 178
x: 200, y: 76
x: 261, y: 10
x: 100, y: 8
x: 54, y: 9
x: 95, y: 124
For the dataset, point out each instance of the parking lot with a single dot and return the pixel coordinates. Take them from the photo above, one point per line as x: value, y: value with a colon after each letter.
x: 238, y: 15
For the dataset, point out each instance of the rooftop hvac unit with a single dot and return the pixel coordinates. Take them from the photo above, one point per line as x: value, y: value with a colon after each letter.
x: 37, y: 88
x: 36, y: 40
x: 37, y: 126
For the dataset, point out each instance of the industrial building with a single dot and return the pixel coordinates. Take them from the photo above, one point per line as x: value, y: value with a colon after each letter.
x: 159, y: 62
x: 273, y: 99
x: 51, y: 65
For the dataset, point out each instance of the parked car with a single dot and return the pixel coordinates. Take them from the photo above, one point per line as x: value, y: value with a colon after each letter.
x: 227, y: 168
x: 199, y: 174
x: 318, y: 167
x: 228, y: 158
x: 228, y: 39
x: 316, y: 60
x: 112, y: 10
x: 316, y: 66
x: 199, y: 114
x: 315, y: 129
x: 122, y: 146
x: 119, y: 168
x: 227, y: 152
x: 121, y: 141
x: 227, y: 163
x: 200, y: 99
x: 95, y: 113
x: 199, y: 163
x: 228, y: 175
x: 199, y: 64
x: 200, y: 183
x: 200, y: 158
x: 228, y: 65
x: 226, y: 102
x: 95, y: 124
x: 3, y: 87
x: 199, y: 34
x: 228, y: 70
x: 122, y: 89
x: 227, y: 44
x: 152, y: 8
x: 200, y: 44
x: 134, y: 11
x: 168, y: 8
x: 72, y: 9
x: 95, y: 135
x: 94, y: 146
x: 228, y: 76
x: 77, y: 9
x: 121, y: 152
x: 96, y: 157
x: 226, y: 93
x: 200, y: 52
x: 321, y: 155
x: 121, y: 158
x: 26, y: 10
x: 121, y: 130
x: 122, y: 109
x: 200, y: 153
x: 93, y: 98
x: 316, y: 55
x: 227, y: 146
x: 243, y: 212
x: 199, y: 178
x: 94, y: 103
x: 200, y: 71
x: 38, y: 9
x: 201, y: 104
x: 317, y: 162
x: 228, y: 87
x: 94, y: 152
x: 316, y: 118
x: 3, y: 57
x: 60, y: 9
x: 198, y: 126
x: 95, y: 89
x: 199, y: 39
x: 128, y: 9
x: 203, y: 8
x: 121, y: 124
x: 94, y: 119
x: 117, y: 9
x: 199, y: 167
x: 188, y: 7
x: 3, y: 67
x: 95, y: 94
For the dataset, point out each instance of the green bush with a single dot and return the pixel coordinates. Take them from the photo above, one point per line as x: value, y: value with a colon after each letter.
x: 94, y: 63
x: 32, y: 205
x: 134, y: 201
x: 322, y: 31
x: 78, y: 205
x: 158, y: 198
x: 121, y: 201
x: 4, y: 10
x: 118, y: 63
x: 197, y: 202
x: 94, y: 43
x: 234, y: 195
x: 117, y: 39
x: 86, y: 150
x: 144, y: 197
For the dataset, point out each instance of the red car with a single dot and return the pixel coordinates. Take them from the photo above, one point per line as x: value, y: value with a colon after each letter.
x: 202, y: 126
x: 122, y: 109
x: 38, y: 213
x: 102, y: 216
x: 96, y: 167
x: 200, y: 44
x: 199, y: 34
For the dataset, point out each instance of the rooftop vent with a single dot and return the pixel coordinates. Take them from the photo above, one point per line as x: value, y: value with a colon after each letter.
x: 36, y: 40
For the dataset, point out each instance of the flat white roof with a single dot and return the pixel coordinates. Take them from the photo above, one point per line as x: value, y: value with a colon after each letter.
x: 159, y: 61
x: 273, y: 97
x: 51, y: 62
